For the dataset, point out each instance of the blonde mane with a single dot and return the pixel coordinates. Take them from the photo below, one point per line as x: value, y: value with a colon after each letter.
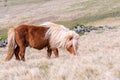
x: 59, y: 35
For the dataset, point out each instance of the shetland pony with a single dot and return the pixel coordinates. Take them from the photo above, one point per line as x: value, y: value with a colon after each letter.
x: 50, y: 35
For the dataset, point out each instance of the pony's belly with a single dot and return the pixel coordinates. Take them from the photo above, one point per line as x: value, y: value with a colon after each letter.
x: 38, y: 46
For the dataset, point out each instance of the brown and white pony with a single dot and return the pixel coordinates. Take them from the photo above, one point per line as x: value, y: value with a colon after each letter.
x: 50, y: 35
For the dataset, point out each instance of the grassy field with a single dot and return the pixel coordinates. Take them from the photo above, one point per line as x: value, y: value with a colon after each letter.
x: 98, y: 53
x: 98, y: 59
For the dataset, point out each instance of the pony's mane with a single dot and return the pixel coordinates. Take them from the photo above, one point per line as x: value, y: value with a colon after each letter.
x: 54, y: 26
x: 59, y: 35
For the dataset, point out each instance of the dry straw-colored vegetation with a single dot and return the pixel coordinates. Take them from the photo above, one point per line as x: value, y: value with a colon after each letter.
x: 99, y: 51
x: 98, y: 59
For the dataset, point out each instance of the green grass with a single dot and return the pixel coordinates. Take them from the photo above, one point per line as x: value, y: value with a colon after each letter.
x: 3, y: 37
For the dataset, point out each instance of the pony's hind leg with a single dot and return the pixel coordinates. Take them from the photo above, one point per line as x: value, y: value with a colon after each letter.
x: 49, y: 52
x: 21, y: 43
x: 22, y: 53
x: 16, y: 51
x: 55, y: 51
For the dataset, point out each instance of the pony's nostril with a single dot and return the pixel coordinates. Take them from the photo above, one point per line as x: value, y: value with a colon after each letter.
x: 74, y: 53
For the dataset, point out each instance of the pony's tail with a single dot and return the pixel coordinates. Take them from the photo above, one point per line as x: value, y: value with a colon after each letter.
x: 11, y: 44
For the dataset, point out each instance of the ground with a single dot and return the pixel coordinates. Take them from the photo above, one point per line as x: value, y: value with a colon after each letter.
x: 98, y: 53
x: 97, y: 59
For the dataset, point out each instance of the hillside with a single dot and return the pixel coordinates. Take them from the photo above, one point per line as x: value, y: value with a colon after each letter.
x: 98, y: 53
x: 68, y: 12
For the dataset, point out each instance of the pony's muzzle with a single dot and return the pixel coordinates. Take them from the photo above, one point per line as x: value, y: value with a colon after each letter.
x: 72, y: 50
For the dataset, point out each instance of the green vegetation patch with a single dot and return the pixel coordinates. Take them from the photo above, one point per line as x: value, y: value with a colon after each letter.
x: 3, y: 37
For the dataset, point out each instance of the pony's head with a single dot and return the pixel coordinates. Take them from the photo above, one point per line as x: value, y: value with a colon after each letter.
x: 62, y: 37
x: 72, y: 42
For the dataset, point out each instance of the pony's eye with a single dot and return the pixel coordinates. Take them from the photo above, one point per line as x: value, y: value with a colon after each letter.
x: 71, y: 46
x: 70, y: 38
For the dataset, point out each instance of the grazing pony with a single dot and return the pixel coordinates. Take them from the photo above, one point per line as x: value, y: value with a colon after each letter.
x: 49, y: 35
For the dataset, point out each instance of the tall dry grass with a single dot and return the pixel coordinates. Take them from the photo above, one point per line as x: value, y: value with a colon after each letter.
x: 98, y: 55
x: 98, y: 59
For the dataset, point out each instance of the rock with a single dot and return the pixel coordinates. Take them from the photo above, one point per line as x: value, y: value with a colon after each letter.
x: 83, y: 29
x: 78, y: 29
x: 4, y: 43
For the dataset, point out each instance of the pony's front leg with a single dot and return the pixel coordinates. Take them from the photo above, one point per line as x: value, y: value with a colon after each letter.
x: 22, y: 53
x: 55, y: 51
x: 49, y: 52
